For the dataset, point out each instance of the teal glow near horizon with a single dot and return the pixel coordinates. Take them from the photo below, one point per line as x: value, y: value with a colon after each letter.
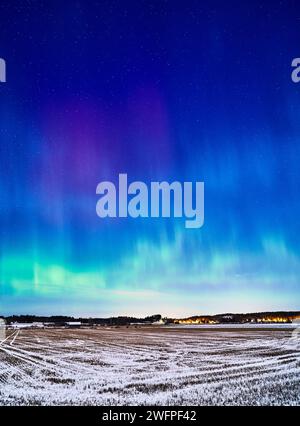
x: 166, y: 93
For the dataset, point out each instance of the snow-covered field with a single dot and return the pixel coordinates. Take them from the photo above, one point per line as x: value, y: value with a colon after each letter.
x: 151, y: 365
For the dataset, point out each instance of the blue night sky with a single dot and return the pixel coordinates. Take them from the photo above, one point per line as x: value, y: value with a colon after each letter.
x: 160, y: 90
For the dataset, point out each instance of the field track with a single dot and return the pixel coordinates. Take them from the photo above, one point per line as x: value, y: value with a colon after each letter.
x: 150, y: 365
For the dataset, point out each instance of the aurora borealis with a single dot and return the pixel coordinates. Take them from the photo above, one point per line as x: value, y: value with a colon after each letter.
x: 160, y: 90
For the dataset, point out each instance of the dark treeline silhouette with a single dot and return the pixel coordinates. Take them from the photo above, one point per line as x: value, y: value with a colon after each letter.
x: 125, y: 320
x: 242, y: 318
x: 60, y: 319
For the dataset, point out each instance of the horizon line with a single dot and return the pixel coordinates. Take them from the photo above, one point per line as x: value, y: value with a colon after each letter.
x: 151, y: 315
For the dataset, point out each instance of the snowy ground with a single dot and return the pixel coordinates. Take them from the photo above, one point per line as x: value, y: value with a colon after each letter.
x: 151, y: 365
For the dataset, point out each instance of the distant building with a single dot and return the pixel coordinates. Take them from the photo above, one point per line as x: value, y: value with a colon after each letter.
x: 19, y: 325
x: 50, y: 324
x: 73, y: 324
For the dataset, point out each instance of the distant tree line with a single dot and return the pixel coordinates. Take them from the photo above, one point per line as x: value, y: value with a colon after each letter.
x: 125, y: 320
x: 61, y: 319
x: 242, y: 318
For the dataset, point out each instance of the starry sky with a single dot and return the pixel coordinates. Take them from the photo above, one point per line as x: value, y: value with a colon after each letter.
x: 161, y: 90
